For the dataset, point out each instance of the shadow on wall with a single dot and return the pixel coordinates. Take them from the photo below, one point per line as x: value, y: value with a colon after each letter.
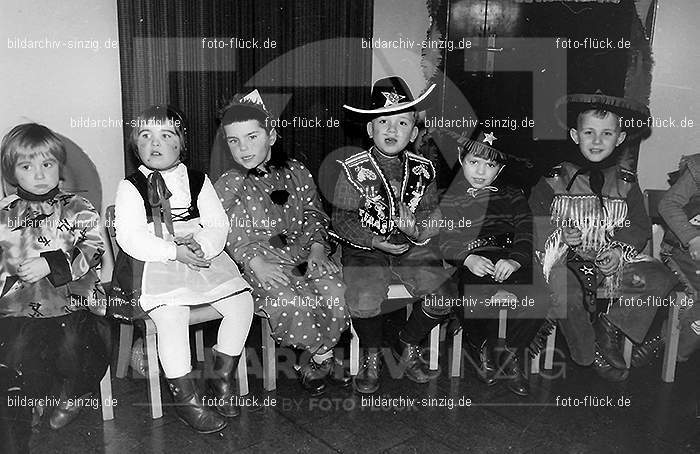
x: 79, y: 175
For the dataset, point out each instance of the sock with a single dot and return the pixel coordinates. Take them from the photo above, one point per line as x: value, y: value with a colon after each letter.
x: 418, y: 326
x: 319, y: 359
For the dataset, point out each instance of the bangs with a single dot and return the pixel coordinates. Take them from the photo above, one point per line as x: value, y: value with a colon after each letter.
x: 487, y: 153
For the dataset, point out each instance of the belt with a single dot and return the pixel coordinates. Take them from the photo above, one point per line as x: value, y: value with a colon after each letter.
x: 502, y: 241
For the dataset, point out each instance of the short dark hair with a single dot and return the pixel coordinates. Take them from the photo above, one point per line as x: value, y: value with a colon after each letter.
x: 490, y: 154
x: 29, y: 136
x: 597, y: 112
x: 160, y: 114
x: 240, y: 113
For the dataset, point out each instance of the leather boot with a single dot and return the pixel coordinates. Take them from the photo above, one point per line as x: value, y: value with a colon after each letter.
x: 312, y: 378
x: 607, y: 341
x: 415, y: 368
x: 336, y: 373
x: 367, y: 379
x: 606, y: 371
x: 483, y: 362
x: 221, y: 386
x: 190, y: 409
x: 66, y: 411
x: 516, y: 380
x: 646, y: 352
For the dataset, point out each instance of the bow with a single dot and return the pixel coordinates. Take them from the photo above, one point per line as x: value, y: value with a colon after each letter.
x: 158, y: 195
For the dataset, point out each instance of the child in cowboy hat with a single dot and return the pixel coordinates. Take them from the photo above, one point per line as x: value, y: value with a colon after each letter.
x: 593, y: 227
x: 487, y: 235
x: 384, y: 203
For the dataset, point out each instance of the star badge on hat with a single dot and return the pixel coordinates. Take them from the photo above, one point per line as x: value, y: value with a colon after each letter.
x: 489, y: 137
x: 392, y: 98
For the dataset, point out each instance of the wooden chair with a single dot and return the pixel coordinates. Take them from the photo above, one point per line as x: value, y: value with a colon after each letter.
x: 198, y: 315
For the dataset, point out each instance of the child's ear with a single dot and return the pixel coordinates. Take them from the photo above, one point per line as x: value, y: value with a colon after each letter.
x: 370, y: 129
x: 273, y: 136
x: 573, y: 133
x: 621, y: 138
x: 414, y: 133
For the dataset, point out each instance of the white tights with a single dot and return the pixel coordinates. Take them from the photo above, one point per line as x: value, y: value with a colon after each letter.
x: 172, y: 323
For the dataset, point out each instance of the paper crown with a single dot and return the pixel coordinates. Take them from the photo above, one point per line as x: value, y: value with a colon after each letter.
x: 392, y: 95
x: 252, y: 99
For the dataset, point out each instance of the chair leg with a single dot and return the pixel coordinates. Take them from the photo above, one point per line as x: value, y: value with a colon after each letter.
x: 434, y: 347
x: 354, y: 352
x: 106, y: 395
x: 199, y: 344
x: 242, y: 374
x: 627, y: 352
x: 269, y: 357
x: 535, y: 366
x: 549, y: 349
x: 502, y: 323
x: 668, y: 371
x: 456, y: 367
x: 126, y: 339
x: 154, y: 395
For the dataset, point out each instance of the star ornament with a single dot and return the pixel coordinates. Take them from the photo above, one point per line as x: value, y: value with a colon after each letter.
x: 489, y: 138
x: 392, y: 98
x: 587, y: 270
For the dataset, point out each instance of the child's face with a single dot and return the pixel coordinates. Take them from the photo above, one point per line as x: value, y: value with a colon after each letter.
x: 392, y: 133
x: 249, y: 143
x: 597, y: 137
x: 159, y: 145
x: 480, y: 172
x: 36, y: 171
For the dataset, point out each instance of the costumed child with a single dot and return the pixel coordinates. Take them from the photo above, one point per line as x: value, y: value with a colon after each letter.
x: 593, y: 227
x: 51, y: 245
x: 172, y: 229
x: 487, y: 235
x: 279, y: 237
x: 680, y: 250
x: 385, y: 205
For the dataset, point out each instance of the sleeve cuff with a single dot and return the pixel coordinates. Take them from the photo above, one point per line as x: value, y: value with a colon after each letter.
x: 59, y: 266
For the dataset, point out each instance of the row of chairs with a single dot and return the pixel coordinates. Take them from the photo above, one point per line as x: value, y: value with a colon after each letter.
x: 204, y: 314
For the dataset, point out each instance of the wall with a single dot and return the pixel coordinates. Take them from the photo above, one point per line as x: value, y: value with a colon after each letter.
x: 394, y: 20
x: 53, y: 86
x: 675, y: 92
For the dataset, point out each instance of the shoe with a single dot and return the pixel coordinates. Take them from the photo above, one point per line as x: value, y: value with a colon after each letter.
x: 607, y: 341
x: 516, y: 380
x: 484, y: 364
x: 336, y: 373
x: 606, y: 371
x: 190, y: 409
x: 415, y: 369
x: 646, y: 352
x: 221, y: 387
x: 367, y: 379
x: 66, y: 411
x: 312, y: 378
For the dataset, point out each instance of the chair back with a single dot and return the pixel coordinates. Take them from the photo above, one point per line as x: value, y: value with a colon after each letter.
x: 111, y: 230
x: 652, y: 198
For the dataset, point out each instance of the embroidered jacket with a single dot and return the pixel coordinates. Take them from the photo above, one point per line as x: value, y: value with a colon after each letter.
x: 680, y: 207
x: 370, y: 188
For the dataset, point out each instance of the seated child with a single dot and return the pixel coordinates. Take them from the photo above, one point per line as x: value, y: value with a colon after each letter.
x: 487, y: 235
x: 279, y: 236
x: 171, y: 229
x: 680, y: 208
x: 383, y: 202
x: 595, y: 226
x: 50, y: 244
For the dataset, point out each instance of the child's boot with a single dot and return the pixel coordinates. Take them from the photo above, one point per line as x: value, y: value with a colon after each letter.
x: 222, y: 387
x: 367, y: 379
x: 190, y: 409
x: 606, y: 339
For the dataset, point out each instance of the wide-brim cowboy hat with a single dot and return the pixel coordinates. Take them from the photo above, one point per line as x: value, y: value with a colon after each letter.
x: 391, y: 95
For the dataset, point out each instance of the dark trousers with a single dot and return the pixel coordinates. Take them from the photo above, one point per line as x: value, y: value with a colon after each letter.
x: 58, y: 355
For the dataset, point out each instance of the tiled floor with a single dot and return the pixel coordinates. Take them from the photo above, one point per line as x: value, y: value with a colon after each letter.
x: 660, y: 418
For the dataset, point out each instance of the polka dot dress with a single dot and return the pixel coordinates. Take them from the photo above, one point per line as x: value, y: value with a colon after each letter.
x: 277, y: 215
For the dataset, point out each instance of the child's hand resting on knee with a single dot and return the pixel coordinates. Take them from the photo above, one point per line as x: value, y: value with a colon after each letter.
x: 694, y: 248
x: 33, y: 269
x: 504, y: 268
x: 479, y: 266
x: 269, y: 274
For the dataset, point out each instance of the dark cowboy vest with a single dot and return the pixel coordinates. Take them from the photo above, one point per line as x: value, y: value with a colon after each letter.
x: 378, y: 203
x: 127, y: 274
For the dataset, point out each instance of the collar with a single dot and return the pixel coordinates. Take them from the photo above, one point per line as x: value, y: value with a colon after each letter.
x: 176, y: 169
x: 26, y: 195
x: 474, y: 191
x: 400, y: 156
x: 259, y: 171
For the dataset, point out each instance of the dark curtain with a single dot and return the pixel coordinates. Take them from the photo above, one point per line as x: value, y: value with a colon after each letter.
x: 315, y: 66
